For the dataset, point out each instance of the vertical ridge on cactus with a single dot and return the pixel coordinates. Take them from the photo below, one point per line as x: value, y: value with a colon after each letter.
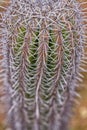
x: 43, y: 45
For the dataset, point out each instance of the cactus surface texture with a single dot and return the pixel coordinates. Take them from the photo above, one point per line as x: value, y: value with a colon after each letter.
x: 43, y: 46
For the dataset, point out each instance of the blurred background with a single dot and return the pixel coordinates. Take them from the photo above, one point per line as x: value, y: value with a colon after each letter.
x: 79, y: 119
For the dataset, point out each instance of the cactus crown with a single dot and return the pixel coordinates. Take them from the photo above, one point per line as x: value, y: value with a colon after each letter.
x: 42, y: 47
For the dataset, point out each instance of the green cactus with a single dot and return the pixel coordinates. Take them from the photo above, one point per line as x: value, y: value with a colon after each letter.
x: 42, y: 48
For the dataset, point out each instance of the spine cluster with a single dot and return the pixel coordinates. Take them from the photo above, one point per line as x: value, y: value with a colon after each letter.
x: 43, y: 47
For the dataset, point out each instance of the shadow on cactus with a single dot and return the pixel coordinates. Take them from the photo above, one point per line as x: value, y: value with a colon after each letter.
x: 43, y: 46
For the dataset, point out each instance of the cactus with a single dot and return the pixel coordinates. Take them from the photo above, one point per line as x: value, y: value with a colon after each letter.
x: 43, y: 46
